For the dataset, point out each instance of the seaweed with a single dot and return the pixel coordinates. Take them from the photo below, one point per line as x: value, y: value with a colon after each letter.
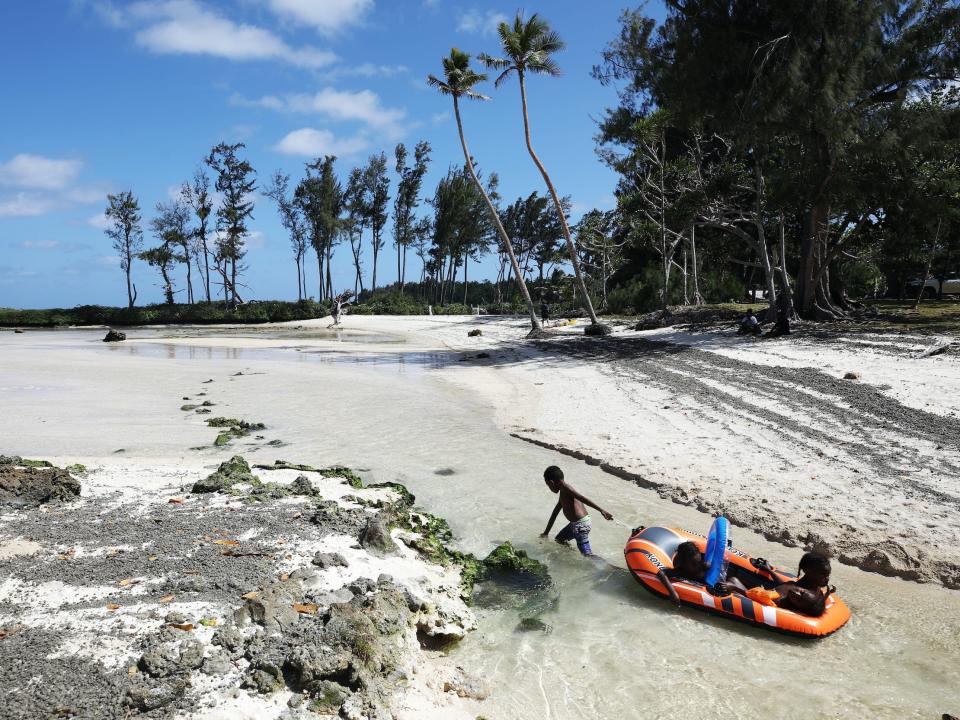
x: 235, y: 428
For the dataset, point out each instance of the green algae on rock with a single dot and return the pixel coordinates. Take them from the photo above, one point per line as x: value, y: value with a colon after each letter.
x: 232, y: 471
x: 235, y: 428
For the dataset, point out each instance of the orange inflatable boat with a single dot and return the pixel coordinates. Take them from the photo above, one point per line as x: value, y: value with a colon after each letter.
x: 652, y: 549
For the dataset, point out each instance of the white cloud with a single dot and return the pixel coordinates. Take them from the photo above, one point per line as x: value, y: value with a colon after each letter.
x: 35, y: 171
x: 10, y: 274
x: 26, y: 205
x: 98, y: 221
x: 365, y: 70
x: 327, y: 16
x: 484, y: 22
x: 440, y: 117
x: 256, y: 240
x: 87, y: 194
x: 340, y: 105
x: 39, y: 245
x: 188, y: 28
x: 308, y: 142
x: 50, y: 245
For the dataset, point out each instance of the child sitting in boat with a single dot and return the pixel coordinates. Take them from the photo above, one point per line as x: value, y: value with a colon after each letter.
x: 688, y: 564
x: 806, y: 595
x: 572, y: 503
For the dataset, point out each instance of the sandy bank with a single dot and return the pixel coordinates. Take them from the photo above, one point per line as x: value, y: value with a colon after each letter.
x: 766, y: 431
x: 142, y: 596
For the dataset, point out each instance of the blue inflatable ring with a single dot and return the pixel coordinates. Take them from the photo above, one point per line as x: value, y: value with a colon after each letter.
x: 716, y: 550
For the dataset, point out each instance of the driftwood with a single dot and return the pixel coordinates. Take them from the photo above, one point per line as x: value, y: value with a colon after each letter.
x: 935, y: 350
x: 340, y: 303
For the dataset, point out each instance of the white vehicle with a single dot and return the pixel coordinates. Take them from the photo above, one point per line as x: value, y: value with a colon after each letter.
x: 932, y: 287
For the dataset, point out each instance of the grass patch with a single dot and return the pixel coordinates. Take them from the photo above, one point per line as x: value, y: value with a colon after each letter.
x: 941, y: 316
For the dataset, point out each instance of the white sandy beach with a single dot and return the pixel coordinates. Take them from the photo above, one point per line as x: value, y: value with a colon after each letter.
x: 695, y: 433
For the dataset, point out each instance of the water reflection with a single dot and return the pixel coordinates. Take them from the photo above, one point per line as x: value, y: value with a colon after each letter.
x: 177, y: 351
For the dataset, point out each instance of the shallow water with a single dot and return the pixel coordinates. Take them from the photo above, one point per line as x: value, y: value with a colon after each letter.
x: 615, y: 650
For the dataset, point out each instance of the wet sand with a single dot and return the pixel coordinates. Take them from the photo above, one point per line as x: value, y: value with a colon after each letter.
x: 442, y: 426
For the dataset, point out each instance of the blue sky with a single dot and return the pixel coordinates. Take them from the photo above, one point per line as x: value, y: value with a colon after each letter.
x: 104, y: 96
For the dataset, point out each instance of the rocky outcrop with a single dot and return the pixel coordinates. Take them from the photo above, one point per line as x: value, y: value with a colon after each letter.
x: 33, y: 486
x: 376, y: 537
x: 114, y: 336
x: 233, y: 471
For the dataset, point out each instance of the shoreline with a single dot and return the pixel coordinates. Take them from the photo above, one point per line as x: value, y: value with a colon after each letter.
x: 351, y: 404
x: 203, y: 621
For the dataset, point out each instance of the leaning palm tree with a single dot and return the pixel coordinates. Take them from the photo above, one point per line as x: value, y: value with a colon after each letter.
x: 527, y: 48
x: 458, y: 81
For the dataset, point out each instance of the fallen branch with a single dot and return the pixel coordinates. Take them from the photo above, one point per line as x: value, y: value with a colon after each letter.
x: 935, y: 350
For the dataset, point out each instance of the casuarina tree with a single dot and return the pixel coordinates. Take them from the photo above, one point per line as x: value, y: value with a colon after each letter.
x: 123, y: 214
x: 378, y: 194
x: 197, y: 196
x: 407, y: 199
x: 528, y: 47
x: 459, y: 80
x: 799, y: 90
x: 293, y: 222
x: 236, y: 184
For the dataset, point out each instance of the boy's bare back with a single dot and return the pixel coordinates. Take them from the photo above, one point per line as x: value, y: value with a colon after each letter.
x: 573, y: 509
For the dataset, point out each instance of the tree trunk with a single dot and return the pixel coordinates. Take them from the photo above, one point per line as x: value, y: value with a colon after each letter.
x: 299, y: 286
x: 764, y: 254
x: 785, y: 288
x: 186, y: 254
x: 664, y: 257
x: 328, y: 263
x: 697, y: 297
x: 686, y: 296
x: 206, y: 266
x: 399, y: 268
x: 495, y: 216
x: 376, y: 252
x: 130, y: 295
x: 926, y: 274
x: 466, y: 259
x: 571, y: 248
x: 167, y: 286
x: 812, y: 293
x: 320, y: 272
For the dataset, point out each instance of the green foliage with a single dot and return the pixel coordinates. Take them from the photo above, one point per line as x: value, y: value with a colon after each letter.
x: 638, y: 295
x: 389, y: 303
x: 863, y: 279
x: 198, y: 314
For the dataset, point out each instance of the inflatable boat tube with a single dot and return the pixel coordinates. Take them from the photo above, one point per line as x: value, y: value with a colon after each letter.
x: 652, y: 549
x: 715, y: 554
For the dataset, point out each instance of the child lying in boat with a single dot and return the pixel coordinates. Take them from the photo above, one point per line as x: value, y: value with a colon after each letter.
x: 688, y: 564
x: 807, y: 594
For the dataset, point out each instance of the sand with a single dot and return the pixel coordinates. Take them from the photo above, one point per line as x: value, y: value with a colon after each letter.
x: 766, y: 431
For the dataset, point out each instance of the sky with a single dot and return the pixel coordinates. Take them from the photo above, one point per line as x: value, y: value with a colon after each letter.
x: 101, y: 96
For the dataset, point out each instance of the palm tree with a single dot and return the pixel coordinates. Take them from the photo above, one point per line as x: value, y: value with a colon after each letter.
x: 528, y: 47
x: 458, y: 81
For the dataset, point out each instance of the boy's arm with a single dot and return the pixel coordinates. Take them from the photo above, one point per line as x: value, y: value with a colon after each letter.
x: 674, y: 598
x: 588, y: 502
x: 553, y: 517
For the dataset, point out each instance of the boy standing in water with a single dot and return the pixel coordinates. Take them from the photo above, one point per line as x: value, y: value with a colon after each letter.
x: 572, y: 503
